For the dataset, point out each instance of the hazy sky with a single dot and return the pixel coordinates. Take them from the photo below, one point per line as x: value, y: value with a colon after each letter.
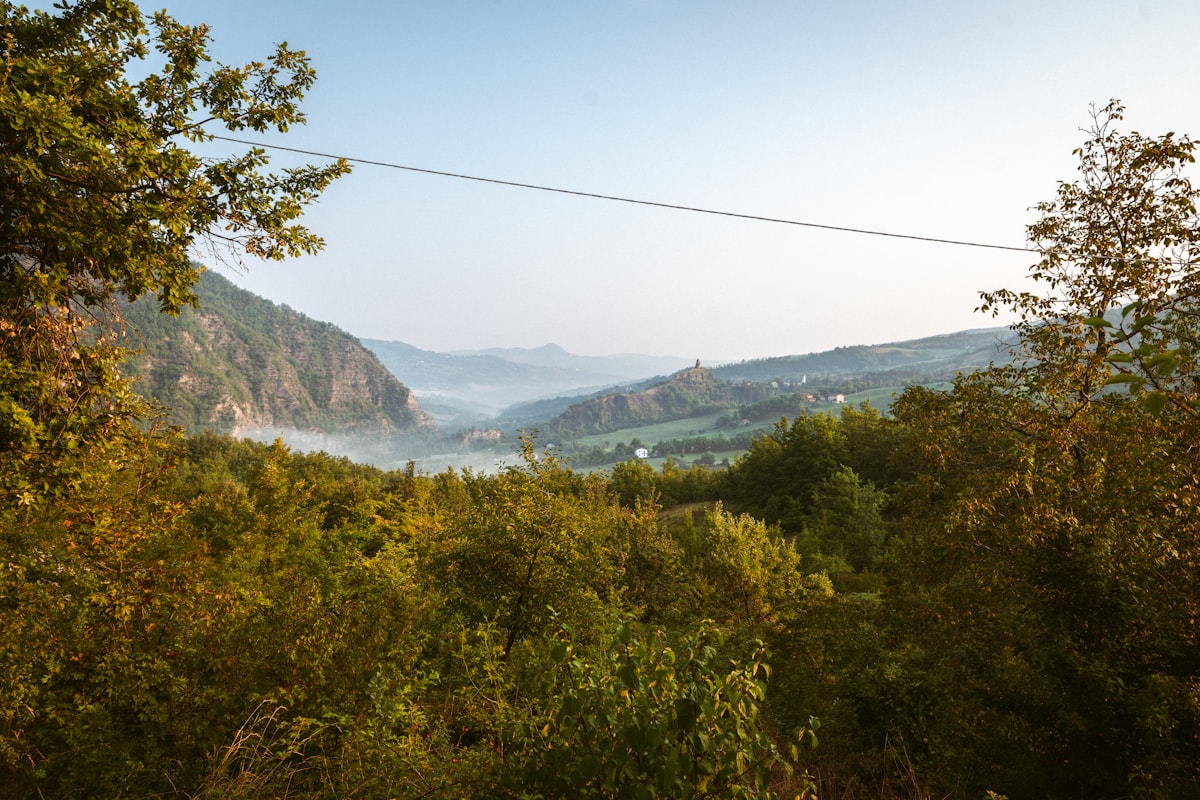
x: 943, y: 119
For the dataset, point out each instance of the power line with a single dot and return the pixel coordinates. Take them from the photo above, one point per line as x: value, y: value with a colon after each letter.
x: 614, y: 198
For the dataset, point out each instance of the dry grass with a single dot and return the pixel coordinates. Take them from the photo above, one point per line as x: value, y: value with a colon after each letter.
x: 268, y: 757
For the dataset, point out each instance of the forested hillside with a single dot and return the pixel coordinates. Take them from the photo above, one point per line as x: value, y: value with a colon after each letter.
x: 990, y: 593
x: 928, y: 360
x: 684, y: 394
x: 238, y: 364
x: 755, y: 389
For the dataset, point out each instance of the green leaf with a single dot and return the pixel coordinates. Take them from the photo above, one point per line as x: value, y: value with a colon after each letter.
x: 1154, y: 402
x: 1164, y: 364
x: 686, y: 713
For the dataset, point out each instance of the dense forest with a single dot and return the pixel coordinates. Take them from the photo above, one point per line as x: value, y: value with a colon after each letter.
x: 989, y: 592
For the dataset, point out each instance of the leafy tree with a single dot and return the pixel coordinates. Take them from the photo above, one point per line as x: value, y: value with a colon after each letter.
x: 751, y: 572
x: 107, y: 605
x: 95, y: 599
x: 633, y: 482
x: 536, y: 540
x: 149, y: 626
x: 102, y: 198
x: 775, y: 479
x: 1124, y: 235
x: 873, y: 445
x: 847, y: 520
x: 1043, y: 640
x: 647, y: 720
x: 677, y: 485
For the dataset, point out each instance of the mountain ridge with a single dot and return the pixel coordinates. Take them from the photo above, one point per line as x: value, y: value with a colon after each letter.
x: 944, y: 353
x: 477, y: 385
x: 239, y: 363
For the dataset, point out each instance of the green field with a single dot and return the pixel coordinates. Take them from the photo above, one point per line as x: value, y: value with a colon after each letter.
x: 881, y: 399
x: 706, y: 426
x: 651, y: 434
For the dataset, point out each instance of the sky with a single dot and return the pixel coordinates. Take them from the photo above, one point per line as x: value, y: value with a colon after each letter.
x: 938, y: 119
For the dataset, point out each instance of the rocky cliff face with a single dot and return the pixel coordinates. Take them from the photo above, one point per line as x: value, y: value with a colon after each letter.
x: 241, y: 364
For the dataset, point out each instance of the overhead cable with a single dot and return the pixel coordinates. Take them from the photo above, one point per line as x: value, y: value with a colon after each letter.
x: 576, y: 193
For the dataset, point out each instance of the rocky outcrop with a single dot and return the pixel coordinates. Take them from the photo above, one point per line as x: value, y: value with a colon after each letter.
x: 685, y: 393
x: 240, y: 364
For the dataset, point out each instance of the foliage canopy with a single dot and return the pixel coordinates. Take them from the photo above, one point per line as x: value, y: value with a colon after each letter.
x: 102, y: 196
x: 1051, y: 530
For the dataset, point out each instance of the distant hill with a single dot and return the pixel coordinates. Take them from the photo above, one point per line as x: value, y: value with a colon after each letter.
x: 475, y: 385
x: 763, y: 388
x: 918, y: 361
x: 536, y: 413
x: 618, y: 367
x: 927, y: 360
x: 687, y: 393
x: 240, y: 364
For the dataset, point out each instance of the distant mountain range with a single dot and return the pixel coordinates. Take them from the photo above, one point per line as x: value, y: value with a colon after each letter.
x: 471, y: 388
x: 468, y: 387
x: 929, y: 360
x: 243, y: 365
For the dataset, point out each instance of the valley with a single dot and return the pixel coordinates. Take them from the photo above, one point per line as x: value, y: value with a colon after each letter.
x: 242, y: 365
